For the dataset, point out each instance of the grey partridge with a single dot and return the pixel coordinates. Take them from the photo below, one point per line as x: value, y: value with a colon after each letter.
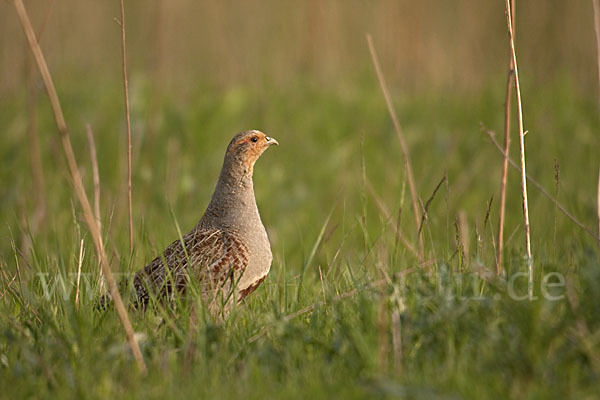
x: 227, y: 255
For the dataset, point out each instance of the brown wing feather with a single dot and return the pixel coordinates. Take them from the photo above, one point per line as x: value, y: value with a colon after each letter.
x: 212, y: 259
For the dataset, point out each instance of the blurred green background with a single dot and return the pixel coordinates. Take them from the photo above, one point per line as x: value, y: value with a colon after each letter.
x: 180, y: 45
x: 201, y: 71
x: 301, y: 71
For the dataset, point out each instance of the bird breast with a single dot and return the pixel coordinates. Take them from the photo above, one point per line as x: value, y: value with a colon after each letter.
x: 259, y: 257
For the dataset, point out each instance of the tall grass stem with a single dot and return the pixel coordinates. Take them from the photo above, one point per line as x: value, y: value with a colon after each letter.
x: 507, y: 112
x: 403, y: 146
x: 511, y: 38
x: 535, y: 183
x: 77, y: 182
x: 127, y: 114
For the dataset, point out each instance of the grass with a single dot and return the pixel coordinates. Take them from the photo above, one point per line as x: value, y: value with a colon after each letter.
x: 462, y: 333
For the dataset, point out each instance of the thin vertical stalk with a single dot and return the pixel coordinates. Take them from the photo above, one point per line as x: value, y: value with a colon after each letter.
x: 96, y: 179
x: 129, y: 146
x: 77, y: 182
x: 79, y: 263
x: 521, y: 147
x: 507, y: 110
x: 561, y: 208
x: 403, y: 146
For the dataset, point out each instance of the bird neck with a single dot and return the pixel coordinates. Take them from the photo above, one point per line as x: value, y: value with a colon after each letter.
x: 233, y: 203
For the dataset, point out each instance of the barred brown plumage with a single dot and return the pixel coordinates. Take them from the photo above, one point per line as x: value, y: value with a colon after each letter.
x: 209, y: 256
x: 227, y: 254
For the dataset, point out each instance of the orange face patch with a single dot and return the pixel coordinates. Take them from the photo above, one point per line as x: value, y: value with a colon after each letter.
x: 253, y: 152
x: 249, y: 147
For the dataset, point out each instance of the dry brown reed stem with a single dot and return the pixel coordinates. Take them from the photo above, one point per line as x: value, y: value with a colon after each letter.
x: 596, y: 5
x: 79, y: 263
x: 77, y: 182
x: 521, y: 144
x: 403, y: 146
x: 129, y: 146
x: 545, y: 192
x: 507, y: 110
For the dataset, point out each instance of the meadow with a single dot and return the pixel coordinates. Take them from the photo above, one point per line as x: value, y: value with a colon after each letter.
x: 352, y: 307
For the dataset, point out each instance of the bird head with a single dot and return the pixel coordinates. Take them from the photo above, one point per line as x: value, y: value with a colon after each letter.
x: 246, y: 147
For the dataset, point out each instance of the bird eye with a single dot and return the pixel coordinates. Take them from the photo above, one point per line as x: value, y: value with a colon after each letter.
x: 254, y: 139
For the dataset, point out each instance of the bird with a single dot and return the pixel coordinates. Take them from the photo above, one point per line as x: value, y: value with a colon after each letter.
x: 227, y: 254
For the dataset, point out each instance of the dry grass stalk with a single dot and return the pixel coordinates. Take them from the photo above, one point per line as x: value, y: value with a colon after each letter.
x: 129, y: 146
x: 535, y: 183
x: 77, y: 182
x: 96, y: 178
x: 80, y: 262
x: 6, y: 279
x: 18, y: 268
x: 521, y: 146
x: 428, y: 203
x: 403, y: 146
x: 322, y: 284
x: 507, y: 109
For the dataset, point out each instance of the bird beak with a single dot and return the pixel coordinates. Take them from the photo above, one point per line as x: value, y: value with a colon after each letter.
x: 271, y: 141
